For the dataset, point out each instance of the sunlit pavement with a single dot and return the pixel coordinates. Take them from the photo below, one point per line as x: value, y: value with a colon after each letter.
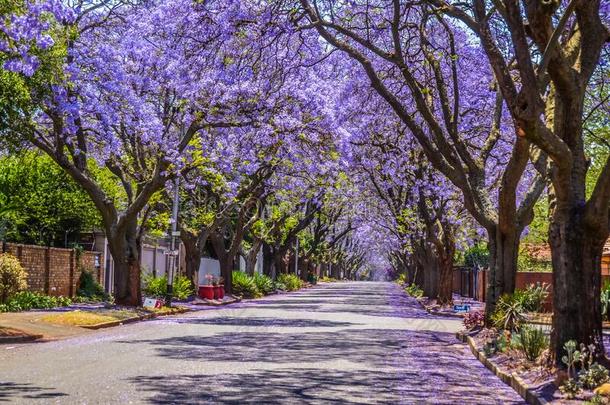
x: 345, y: 343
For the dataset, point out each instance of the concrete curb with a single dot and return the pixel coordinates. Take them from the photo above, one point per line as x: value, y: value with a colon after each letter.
x: 133, y: 319
x: 212, y: 303
x: 513, y: 380
x: 19, y: 339
x: 436, y: 313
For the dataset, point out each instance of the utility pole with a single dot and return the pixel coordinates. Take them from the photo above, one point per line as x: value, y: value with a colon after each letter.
x: 173, y: 254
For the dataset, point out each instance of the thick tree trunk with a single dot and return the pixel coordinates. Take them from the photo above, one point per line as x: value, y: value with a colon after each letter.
x: 501, y: 277
x: 226, y: 260
x: 336, y: 271
x: 192, y: 259
x: 412, y: 272
x: 268, y: 268
x: 431, y: 280
x: 577, y: 234
x: 445, y: 247
x: 280, y: 263
x: 445, y: 287
x: 125, y: 250
x: 252, y: 256
x: 576, y: 255
x: 226, y: 271
x: 431, y: 275
x: 304, y: 267
x: 250, y: 265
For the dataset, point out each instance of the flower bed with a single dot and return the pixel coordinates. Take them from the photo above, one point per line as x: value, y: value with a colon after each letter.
x: 517, y: 350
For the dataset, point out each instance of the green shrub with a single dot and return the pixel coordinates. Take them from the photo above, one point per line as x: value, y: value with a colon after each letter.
x: 157, y: 287
x: 509, y: 313
x: 533, y: 296
x: 499, y: 343
x: 13, y: 277
x: 402, y: 279
x: 414, y: 291
x: 597, y: 399
x: 531, y: 341
x: 182, y: 288
x: 89, y: 288
x: 511, y: 308
x: 280, y: 286
x: 526, y: 261
x: 264, y: 283
x: 594, y: 376
x: 573, y: 356
x: 291, y: 281
x: 27, y: 300
x: 477, y: 255
x: 570, y: 388
x: 244, y: 285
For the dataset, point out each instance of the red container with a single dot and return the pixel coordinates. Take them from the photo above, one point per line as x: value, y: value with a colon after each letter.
x: 206, y: 292
x: 216, y: 292
x: 221, y: 291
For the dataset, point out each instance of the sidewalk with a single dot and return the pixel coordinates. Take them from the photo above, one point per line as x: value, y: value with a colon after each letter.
x: 9, y: 335
x: 61, y: 323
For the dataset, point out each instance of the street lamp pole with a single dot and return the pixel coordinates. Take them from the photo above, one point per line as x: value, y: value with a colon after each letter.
x: 173, y: 256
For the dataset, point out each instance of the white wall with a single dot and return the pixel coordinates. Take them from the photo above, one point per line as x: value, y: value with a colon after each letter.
x: 153, y: 260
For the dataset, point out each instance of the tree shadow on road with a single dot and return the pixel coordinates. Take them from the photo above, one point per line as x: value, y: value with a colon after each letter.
x: 344, y: 366
x: 10, y: 391
x: 266, y: 322
x: 312, y: 386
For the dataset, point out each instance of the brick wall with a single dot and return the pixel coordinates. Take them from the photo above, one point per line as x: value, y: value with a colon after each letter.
x: 54, y: 271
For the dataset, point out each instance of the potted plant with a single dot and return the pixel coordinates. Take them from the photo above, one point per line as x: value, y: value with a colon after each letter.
x: 207, y: 291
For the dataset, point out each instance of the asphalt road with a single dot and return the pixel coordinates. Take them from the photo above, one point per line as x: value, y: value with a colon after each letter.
x: 343, y: 343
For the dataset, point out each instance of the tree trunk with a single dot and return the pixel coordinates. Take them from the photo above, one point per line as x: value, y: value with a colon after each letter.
x: 192, y: 259
x: 431, y: 274
x: 125, y: 250
x: 268, y: 265
x: 503, y: 252
x: 304, y: 266
x: 280, y: 263
x: 418, y: 277
x: 445, y: 286
x: 225, y: 258
x: 250, y: 264
x: 252, y: 256
x: 336, y: 271
x: 412, y: 272
x: 226, y: 271
x: 576, y: 255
